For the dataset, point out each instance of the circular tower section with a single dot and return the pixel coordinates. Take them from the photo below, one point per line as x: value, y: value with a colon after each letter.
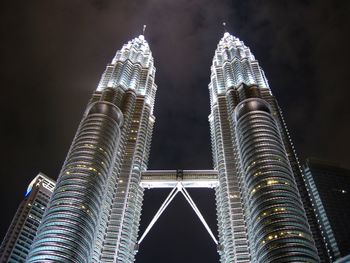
x: 278, y: 228
x: 69, y: 226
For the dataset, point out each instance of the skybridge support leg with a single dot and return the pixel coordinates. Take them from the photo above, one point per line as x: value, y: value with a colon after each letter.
x: 159, y: 212
x: 198, y: 213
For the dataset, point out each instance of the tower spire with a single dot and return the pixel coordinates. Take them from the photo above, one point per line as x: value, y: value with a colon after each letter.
x: 144, y: 29
x: 224, y: 25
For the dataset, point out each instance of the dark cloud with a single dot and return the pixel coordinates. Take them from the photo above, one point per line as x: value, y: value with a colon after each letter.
x: 53, y: 53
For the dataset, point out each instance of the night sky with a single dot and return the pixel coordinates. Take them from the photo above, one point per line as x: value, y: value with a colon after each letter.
x: 54, y: 52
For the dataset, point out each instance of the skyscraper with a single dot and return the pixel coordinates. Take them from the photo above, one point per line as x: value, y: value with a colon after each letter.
x: 261, y: 195
x: 264, y: 213
x: 329, y: 189
x: 94, y: 212
x: 20, y: 235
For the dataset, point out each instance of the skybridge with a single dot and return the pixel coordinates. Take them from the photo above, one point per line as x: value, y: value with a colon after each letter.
x: 178, y: 181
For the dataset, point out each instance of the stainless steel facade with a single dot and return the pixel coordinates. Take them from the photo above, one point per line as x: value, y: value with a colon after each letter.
x: 19, y: 237
x: 264, y: 214
x: 94, y: 212
x: 260, y: 210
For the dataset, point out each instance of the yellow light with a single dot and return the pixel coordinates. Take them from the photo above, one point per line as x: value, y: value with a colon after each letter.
x: 269, y: 182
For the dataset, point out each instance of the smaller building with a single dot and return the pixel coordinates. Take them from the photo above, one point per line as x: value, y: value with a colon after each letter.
x: 329, y: 191
x: 19, y: 237
x: 345, y: 259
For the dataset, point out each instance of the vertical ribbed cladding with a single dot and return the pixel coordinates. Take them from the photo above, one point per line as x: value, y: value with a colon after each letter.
x: 278, y: 228
x: 128, y: 199
x: 68, y: 229
x: 227, y: 249
x: 232, y: 233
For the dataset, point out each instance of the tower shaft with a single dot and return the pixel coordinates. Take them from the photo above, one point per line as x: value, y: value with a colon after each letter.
x: 69, y: 227
x: 94, y: 212
x: 261, y: 213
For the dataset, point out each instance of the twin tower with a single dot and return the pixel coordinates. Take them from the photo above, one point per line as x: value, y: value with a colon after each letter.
x: 263, y: 210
